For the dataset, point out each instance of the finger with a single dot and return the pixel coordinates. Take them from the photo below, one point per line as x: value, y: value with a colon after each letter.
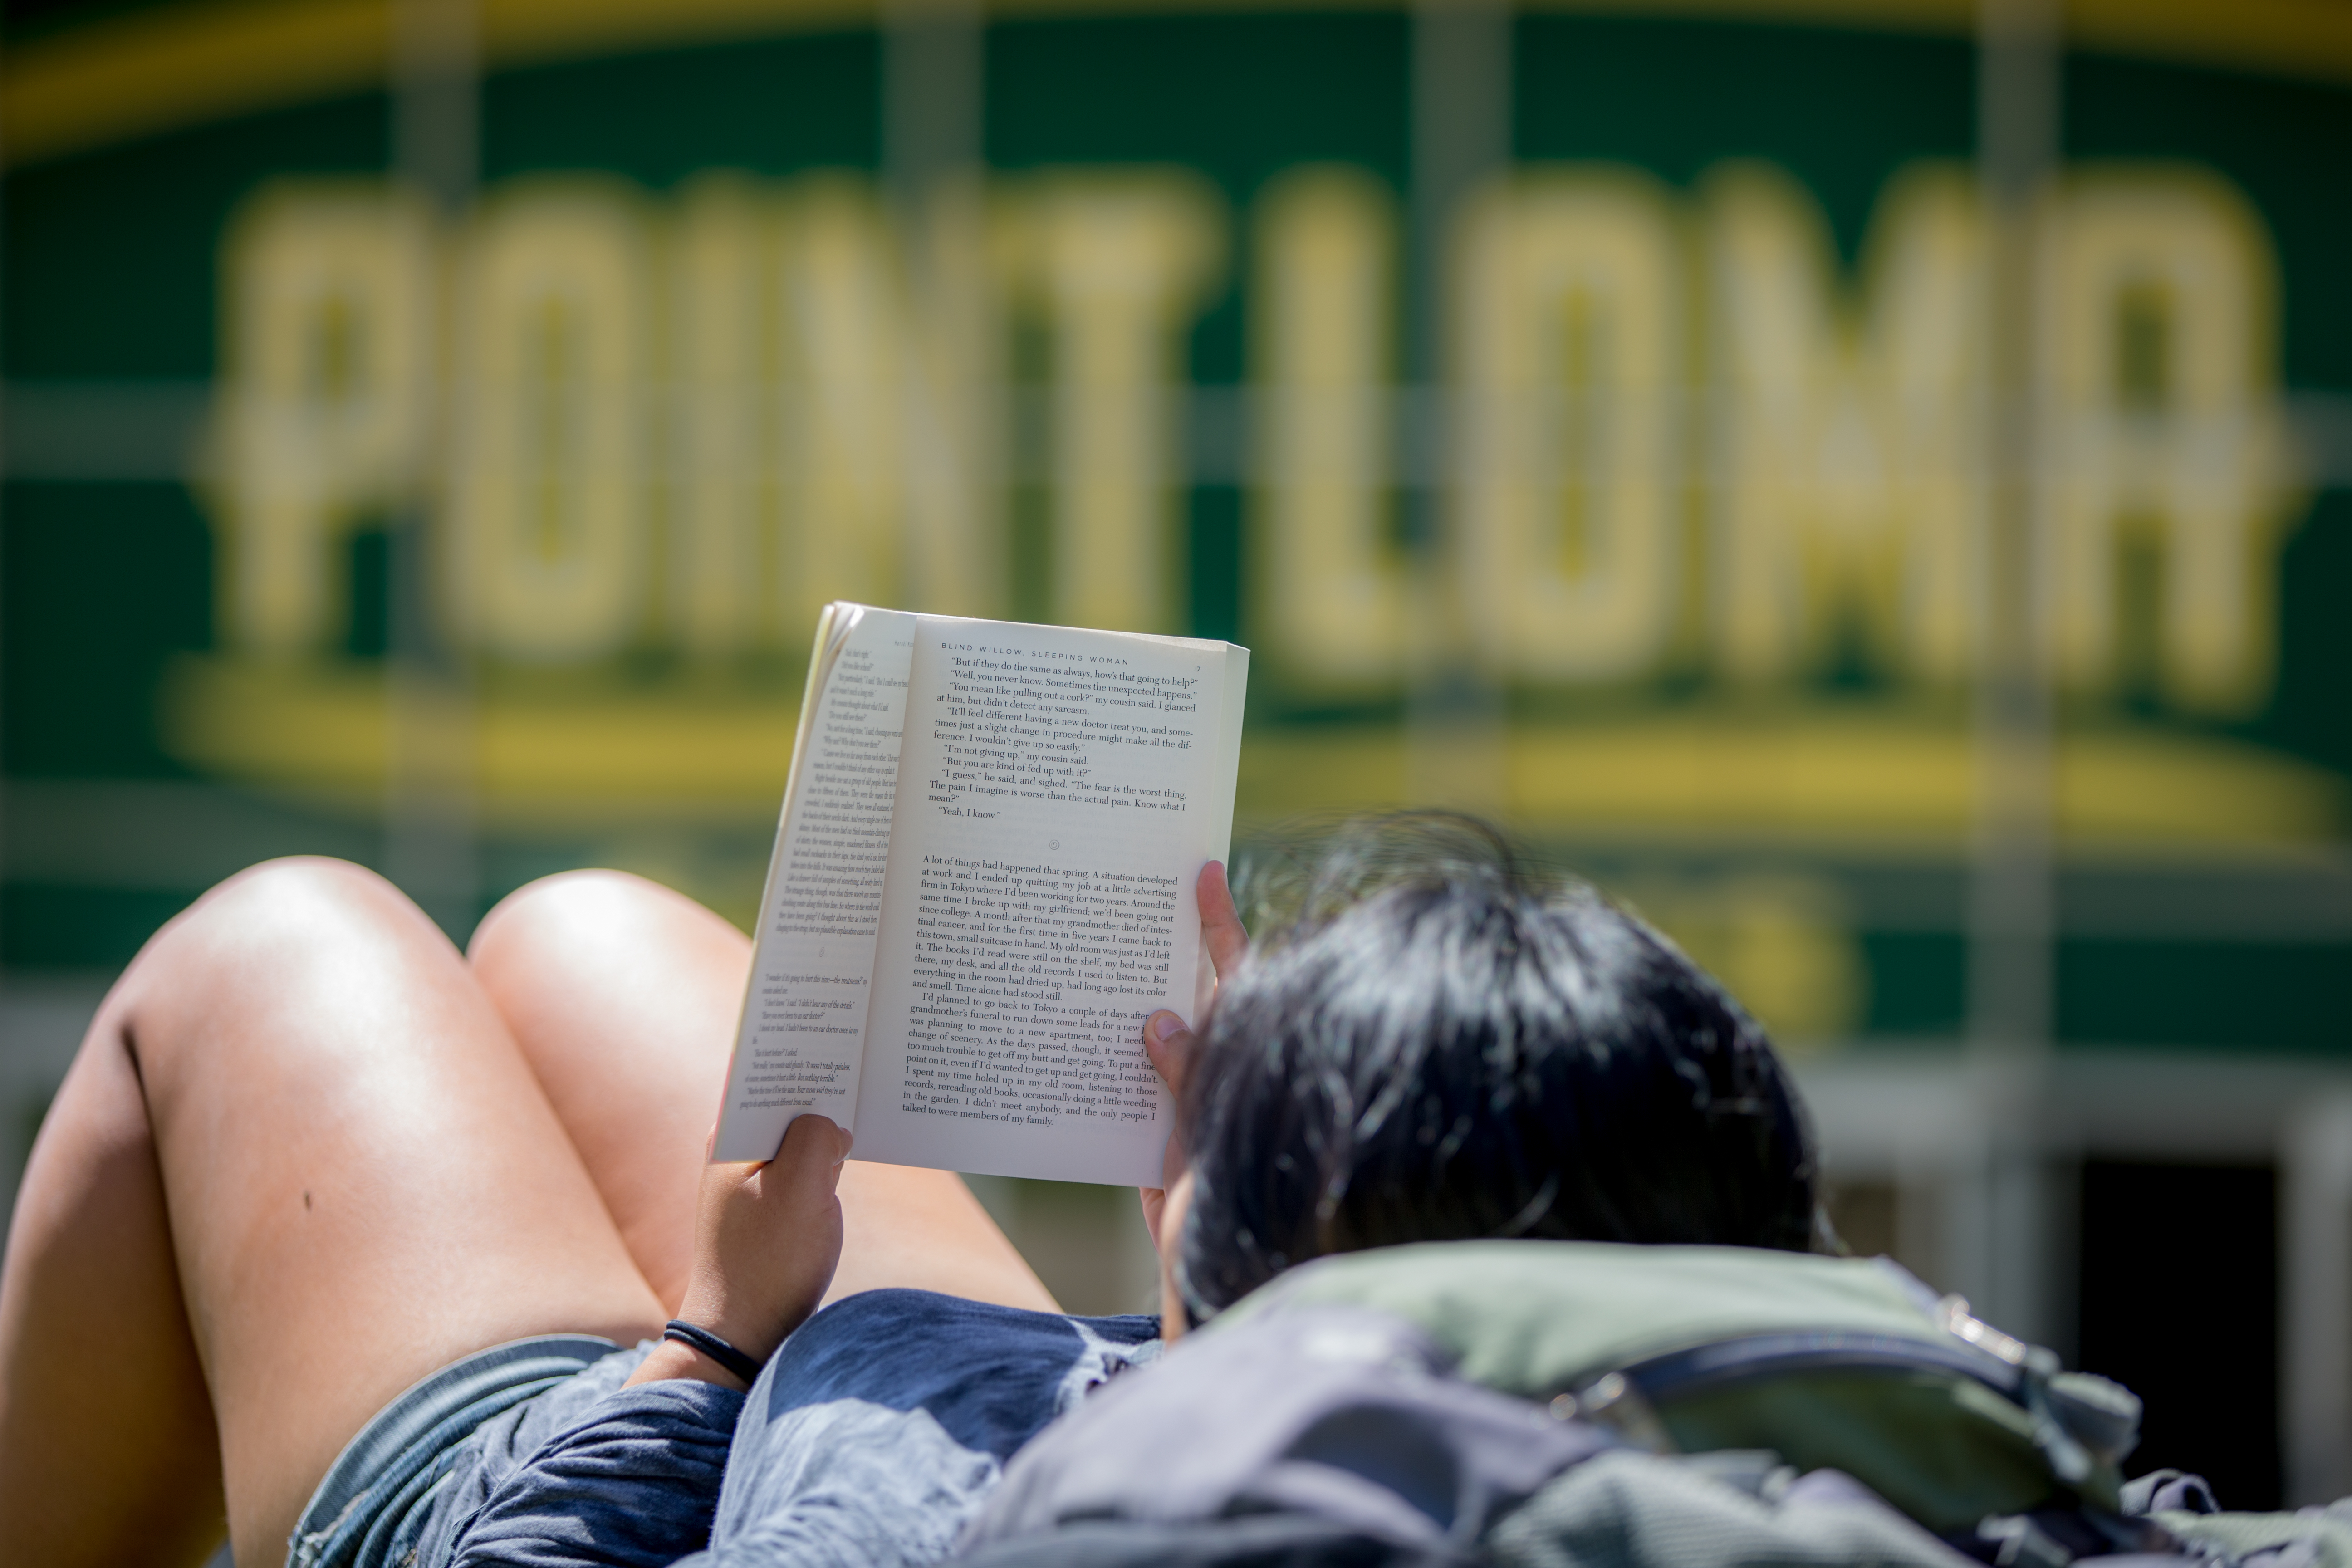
x: 1221, y: 922
x: 813, y: 1150
x: 1170, y: 1045
x: 831, y: 1139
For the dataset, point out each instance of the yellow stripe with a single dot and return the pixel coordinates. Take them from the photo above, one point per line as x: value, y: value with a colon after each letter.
x: 204, y: 61
x: 522, y: 32
x: 1882, y: 779
x: 183, y: 65
x: 2305, y: 39
x: 1888, y: 778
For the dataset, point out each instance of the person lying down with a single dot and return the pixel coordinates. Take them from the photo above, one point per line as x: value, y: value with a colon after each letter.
x: 1490, y: 1235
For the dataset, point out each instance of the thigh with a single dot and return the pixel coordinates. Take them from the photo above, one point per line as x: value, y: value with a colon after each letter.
x: 903, y: 1226
x: 624, y: 998
x: 363, y: 1178
x: 107, y: 1454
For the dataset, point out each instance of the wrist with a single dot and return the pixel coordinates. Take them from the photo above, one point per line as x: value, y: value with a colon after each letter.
x: 716, y: 1347
x: 732, y: 1315
x: 671, y: 1361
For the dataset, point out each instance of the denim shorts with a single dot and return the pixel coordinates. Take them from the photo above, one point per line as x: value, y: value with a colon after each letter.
x: 377, y: 1499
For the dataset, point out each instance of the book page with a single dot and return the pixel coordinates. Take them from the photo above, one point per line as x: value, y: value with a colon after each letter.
x: 1060, y: 794
x: 1232, y: 702
x: 799, y: 1046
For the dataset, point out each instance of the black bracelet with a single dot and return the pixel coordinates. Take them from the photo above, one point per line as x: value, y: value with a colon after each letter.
x: 716, y: 1348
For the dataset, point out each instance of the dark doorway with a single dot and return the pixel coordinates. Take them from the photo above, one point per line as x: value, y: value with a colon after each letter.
x: 2179, y: 1303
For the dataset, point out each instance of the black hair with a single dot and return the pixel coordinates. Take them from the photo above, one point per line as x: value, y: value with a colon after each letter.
x: 1440, y: 1044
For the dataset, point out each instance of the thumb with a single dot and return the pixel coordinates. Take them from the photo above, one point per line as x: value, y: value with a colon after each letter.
x: 813, y: 1152
x: 1170, y: 1043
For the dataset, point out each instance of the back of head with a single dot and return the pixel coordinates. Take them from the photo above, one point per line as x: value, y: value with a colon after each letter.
x: 1441, y: 1046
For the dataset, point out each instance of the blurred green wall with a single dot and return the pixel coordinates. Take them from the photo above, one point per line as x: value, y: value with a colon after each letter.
x: 683, y: 367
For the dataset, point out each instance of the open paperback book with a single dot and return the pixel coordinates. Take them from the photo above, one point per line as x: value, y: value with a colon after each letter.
x: 981, y: 886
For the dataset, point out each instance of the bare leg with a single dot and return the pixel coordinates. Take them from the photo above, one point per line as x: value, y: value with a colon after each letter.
x: 362, y: 1181
x: 623, y: 996
x: 102, y: 1401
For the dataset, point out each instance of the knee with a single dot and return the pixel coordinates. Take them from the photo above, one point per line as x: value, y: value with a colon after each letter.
x: 267, y: 930
x: 561, y: 910
x: 301, y: 886
x: 297, y: 900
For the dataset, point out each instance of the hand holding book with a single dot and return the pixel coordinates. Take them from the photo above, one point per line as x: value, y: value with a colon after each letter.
x: 1168, y: 1038
x: 981, y: 888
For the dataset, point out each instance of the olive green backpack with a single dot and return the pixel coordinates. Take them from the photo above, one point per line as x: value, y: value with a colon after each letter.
x: 1847, y: 1364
